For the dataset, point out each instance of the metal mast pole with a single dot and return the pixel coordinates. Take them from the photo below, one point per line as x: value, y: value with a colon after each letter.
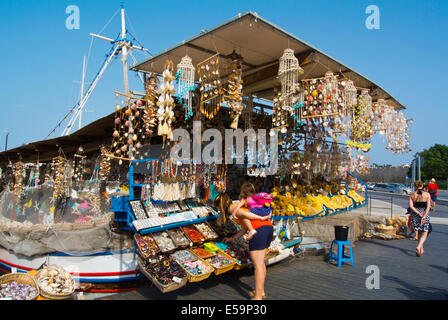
x: 124, y: 49
x: 124, y: 52
x: 82, y: 89
x: 419, y: 175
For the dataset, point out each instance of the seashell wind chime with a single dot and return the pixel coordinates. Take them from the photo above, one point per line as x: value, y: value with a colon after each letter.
x: 149, y: 119
x: 350, y: 95
x: 234, y: 93
x: 105, y: 165
x: 381, y: 116
x: 58, y: 165
x: 290, y: 99
x: 361, y: 128
x: 398, y: 139
x: 360, y: 163
x: 19, y: 177
x: 324, y: 106
x: 279, y: 115
x: 185, y: 85
x: 127, y: 130
x: 211, y: 86
x: 79, y: 165
x: 166, y: 102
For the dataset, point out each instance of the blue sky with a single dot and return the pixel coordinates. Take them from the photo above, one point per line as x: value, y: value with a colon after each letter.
x: 42, y: 59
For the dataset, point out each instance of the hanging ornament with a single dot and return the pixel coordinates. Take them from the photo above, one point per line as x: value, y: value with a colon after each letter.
x: 149, y: 112
x: 185, y: 82
x: 58, y: 165
x: 166, y: 103
x: 330, y: 88
x: 19, y: 177
x: 361, y: 123
x: 233, y: 97
x: 397, y: 135
x: 105, y: 165
x: 288, y: 73
x: 350, y: 95
x: 79, y: 165
x: 211, y: 87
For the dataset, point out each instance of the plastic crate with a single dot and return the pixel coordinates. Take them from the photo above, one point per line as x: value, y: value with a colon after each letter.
x: 120, y: 216
x: 120, y: 204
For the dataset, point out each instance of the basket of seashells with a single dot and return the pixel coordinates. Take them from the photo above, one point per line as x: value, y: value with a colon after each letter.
x: 18, y: 286
x: 55, y: 283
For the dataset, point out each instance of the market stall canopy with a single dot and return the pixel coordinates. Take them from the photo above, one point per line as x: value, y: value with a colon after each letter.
x: 260, y: 44
x: 90, y: 137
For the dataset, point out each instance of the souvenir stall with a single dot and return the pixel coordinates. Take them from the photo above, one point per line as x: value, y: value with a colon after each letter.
x: 125, y: 201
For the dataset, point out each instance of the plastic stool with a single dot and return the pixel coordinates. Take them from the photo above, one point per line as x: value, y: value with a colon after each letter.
x: 340, y: 257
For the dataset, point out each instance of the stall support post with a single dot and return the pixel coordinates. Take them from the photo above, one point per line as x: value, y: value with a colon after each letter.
x: 131, y: 180
x: 391, y: 205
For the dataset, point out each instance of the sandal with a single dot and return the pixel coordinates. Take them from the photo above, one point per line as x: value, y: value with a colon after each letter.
x: 252, y: 294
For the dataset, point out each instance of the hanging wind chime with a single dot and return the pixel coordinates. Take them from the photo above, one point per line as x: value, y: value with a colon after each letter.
x: 211, y: 87
x: 149, y: 111
x: 128, y: 130
x: 105, y: 165
x: 398, y: 139
x: 58, y: 165
x: 19, y: 177
x: 166, y: 103
x: 288, y: 74
x: 79, y: 164
x: 361, y: 123
x: 350, y: 94
x: 234, y: 90
x: 185, y: 85
x: 279, y: 115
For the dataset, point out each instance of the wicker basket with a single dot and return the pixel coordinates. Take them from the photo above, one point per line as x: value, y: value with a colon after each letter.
x: 197, y: 278
x: 216, y: 236
x: 390, y: 232
x: 161, y: 287
x: 21, y: 278
x: 144, y: 256
x: 165, y: 251
x: 222, y: 270
x: 180, y: 246
x: 199, y: 257
x: 50, y: 295
x: 194, y: 228
x: 237, y: 266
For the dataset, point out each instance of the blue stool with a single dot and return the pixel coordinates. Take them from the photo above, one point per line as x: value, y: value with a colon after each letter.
x: 340, y: 257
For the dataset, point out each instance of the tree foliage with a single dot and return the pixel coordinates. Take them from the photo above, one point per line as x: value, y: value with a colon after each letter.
x: 435, y: 162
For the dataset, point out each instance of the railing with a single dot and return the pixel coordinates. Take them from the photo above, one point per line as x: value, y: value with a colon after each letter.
x: 389, y: 200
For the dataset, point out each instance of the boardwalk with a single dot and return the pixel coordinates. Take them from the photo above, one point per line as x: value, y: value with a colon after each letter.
x: 403, y: 276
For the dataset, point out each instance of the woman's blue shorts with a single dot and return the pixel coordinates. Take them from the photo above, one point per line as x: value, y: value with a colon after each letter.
x: 262, y: 239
